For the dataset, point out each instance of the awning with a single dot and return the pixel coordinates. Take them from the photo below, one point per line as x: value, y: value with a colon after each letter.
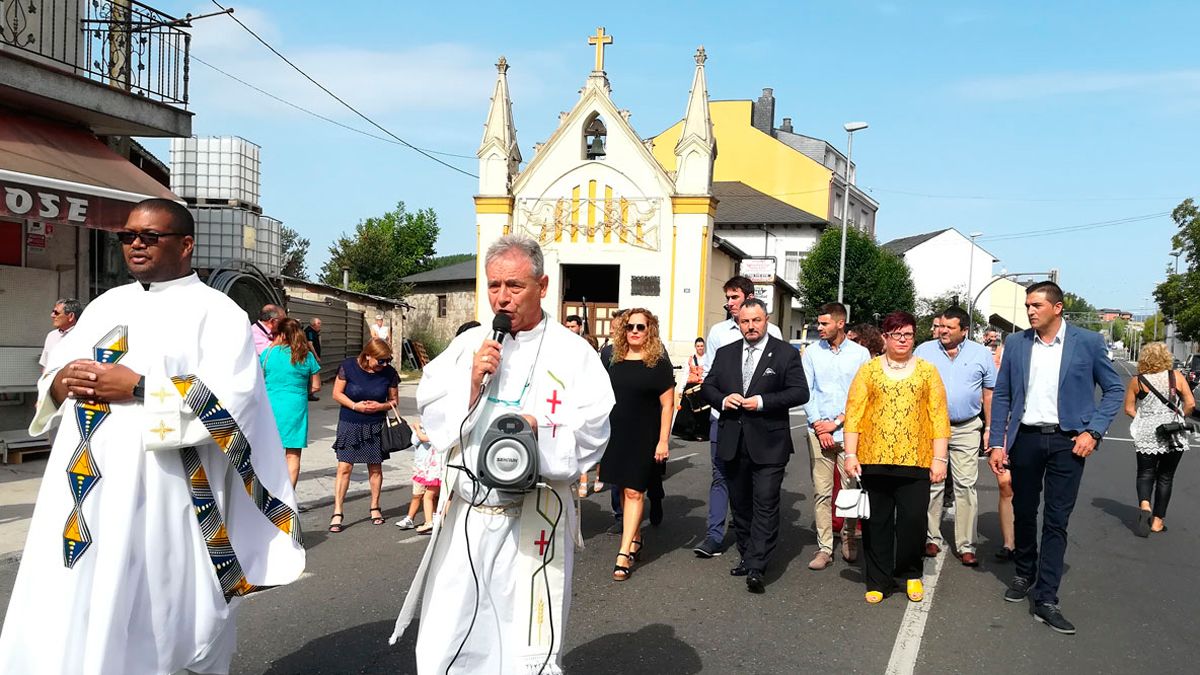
x: 59, y: 174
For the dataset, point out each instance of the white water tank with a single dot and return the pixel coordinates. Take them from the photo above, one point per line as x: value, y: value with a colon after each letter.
x: 216, y: 169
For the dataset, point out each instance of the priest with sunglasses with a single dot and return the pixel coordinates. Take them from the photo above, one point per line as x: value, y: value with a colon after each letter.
x: 166, y: 496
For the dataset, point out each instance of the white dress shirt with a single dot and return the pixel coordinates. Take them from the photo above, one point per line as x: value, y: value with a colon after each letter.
x: 1041, y: 394
x: 52, y: 339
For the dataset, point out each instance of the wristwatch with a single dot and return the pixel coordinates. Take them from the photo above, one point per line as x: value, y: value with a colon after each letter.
x: 1095, y: 434
x: 139, y: 389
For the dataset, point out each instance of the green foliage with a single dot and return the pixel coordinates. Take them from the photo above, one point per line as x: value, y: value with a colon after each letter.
x: 1155, y: 329
x: 295, y: 250
x: 1179, y: 296
x: 1119, y: 331
x: 877, y: 281
x: 1081, y: 312
x: 434, y: 345
x: 448, y: 260
x: 382, y: 250
x: 927, y: 308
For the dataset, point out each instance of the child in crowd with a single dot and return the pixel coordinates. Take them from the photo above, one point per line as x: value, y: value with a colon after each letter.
x: 426, y: 483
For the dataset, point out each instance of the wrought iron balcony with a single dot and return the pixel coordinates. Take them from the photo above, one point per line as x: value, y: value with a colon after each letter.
x: 123, y: 44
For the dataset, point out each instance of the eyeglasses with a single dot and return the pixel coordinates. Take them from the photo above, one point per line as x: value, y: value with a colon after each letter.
x: 902, y: 337
x: 148, y: 237
x: 639, y: 327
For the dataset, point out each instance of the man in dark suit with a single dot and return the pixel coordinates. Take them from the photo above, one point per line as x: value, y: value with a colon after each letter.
x: 755, y: 383
x: 1045, y: 423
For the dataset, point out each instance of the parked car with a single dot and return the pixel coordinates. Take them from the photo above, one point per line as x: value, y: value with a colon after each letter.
x: 1191, y: 370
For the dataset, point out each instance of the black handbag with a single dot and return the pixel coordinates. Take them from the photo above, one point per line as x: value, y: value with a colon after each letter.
x: 396, y: 434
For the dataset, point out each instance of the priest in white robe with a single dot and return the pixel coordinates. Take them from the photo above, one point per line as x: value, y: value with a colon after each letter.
x: 166, y: 497
x: 502, y: 606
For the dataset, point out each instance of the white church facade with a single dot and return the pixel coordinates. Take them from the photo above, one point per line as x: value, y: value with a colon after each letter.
x: 617, y: 229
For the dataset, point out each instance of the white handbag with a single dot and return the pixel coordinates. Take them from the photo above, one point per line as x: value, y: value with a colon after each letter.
x: 853, y: 503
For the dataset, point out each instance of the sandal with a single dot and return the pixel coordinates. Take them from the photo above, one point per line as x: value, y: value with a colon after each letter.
x: 377, y: 520
x: 916, y: 590
x: 622, y: 573
x: 425, y: 528
x: 583, y: 489
x: 335, y: 527
x: 874, y: 597
x: 632, y: 553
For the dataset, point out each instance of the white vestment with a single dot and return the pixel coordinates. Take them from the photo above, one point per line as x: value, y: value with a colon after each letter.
x: 552, y: 375
x: 153, y: 516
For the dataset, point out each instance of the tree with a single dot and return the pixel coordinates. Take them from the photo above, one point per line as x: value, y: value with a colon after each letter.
x: 927, y: 308
x: 1155, y: 329
x: 448, y: 260
x: 1081, y: 312
x: 1119, y: 329
x: 295, y: 250
x: 383, y: 250
x: 877, y: 281
x: 1179, y: 296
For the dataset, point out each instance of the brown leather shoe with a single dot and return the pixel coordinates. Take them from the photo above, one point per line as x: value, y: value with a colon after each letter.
x: 849, y: 548
x: 968, y: 559
x: 820, y: 561
x: 931, y: 550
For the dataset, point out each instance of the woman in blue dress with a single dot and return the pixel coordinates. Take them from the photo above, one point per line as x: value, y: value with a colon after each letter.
x: 290, y: 372
x: 366, y: 389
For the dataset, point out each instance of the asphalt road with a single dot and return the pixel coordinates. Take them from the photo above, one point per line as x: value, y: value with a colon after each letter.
x: 1132, y: 599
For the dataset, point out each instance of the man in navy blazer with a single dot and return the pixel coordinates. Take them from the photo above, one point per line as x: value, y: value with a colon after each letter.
x: 1045, y: 423
x: 755, y: 382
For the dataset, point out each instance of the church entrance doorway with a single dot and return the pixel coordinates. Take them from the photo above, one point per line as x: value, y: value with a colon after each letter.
x: 592, y: 292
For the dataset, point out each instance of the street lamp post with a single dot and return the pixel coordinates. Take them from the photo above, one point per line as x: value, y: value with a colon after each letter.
x: 1176, y: 254
x: 970, y: 277
x: 850, y: 128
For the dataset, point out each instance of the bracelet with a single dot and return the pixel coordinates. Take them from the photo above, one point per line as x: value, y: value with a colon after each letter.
x: 941, y: 459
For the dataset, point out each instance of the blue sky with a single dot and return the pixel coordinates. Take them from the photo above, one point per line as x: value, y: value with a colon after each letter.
x: 1001, y: 118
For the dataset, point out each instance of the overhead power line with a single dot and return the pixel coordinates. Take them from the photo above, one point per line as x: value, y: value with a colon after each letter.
x: 1020, y: 199
x: 1074, y: 228
x: 339, y: 99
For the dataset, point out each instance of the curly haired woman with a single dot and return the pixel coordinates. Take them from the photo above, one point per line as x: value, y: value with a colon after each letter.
x: 644, y: 384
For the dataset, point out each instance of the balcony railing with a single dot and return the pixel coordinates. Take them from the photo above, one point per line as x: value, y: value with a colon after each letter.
x: 120, y: 43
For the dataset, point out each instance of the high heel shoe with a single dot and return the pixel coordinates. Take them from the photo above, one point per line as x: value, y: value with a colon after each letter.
x: 633, y: 554
x: 622, y: 573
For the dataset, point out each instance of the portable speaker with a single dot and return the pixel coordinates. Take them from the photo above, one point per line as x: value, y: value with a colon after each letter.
x: 508, y: 458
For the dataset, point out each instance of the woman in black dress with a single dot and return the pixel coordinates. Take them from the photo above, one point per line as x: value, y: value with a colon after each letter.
x: 644, y: 385
x: 365, y: 388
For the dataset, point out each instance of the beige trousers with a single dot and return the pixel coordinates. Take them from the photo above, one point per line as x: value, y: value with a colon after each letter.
x: 826, y: 464
x: 964, y: 468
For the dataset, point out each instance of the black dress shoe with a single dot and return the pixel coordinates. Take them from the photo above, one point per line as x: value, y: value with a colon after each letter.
x: 754, y: 582
x: 1005, y: 554
x: 656, y: 512
x: 1017, y: 590
x: 1049, y: 614
x: 739, y: 571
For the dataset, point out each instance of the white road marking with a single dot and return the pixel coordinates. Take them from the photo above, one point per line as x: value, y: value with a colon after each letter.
x: 912, y: 626
x: 681, y: 457
x: 414, y: 539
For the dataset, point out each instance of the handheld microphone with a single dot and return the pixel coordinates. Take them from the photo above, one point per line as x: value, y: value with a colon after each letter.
x: 501, y: 327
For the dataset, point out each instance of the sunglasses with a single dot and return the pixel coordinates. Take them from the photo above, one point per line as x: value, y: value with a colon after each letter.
x: 55, y: 312
x: 631, y: 327
x: 148, y: 237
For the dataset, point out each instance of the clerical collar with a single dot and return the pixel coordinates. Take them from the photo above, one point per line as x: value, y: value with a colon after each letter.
x: 159, y: 286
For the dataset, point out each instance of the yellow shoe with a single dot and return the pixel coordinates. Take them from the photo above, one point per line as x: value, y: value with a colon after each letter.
x: 916, y: 590
x: 874, y: 597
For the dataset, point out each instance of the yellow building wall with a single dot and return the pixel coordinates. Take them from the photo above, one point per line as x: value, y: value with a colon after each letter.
x: 748, y: 155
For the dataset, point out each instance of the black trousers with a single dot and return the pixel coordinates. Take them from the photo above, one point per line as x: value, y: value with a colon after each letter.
x: 754, y: 495
x: 894, y: 535
x: 1155, y: 474
x: 1043, y: 462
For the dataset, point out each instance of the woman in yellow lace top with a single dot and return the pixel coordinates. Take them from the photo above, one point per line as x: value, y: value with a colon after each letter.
x: 896, y: 440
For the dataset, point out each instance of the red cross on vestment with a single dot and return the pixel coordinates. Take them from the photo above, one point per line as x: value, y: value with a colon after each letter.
x: 542, y: 543
x: 554, y: 402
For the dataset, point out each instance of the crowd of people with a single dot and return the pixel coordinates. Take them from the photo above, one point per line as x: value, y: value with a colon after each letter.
x: 904, y: 424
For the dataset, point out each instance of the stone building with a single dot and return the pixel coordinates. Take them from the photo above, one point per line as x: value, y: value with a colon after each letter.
x: 442, y: 300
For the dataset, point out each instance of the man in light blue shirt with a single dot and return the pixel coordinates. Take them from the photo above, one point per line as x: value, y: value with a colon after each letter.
x: 737, y: 290
x: 968, y: 372
x: 830, y: 366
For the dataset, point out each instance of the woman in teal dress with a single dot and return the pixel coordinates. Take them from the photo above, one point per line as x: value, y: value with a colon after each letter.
x: 291, y: 373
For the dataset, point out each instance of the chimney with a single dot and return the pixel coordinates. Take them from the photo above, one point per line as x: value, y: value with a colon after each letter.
x: 787, y: 125
x: 763, y: 112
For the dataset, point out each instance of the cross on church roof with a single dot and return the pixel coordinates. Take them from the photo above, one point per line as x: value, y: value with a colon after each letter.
x: 701, y: 57
x: 600, y: 39
x: 502, y: 65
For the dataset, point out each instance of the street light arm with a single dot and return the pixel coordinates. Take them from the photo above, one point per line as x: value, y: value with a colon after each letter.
x: 1010, y: 275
